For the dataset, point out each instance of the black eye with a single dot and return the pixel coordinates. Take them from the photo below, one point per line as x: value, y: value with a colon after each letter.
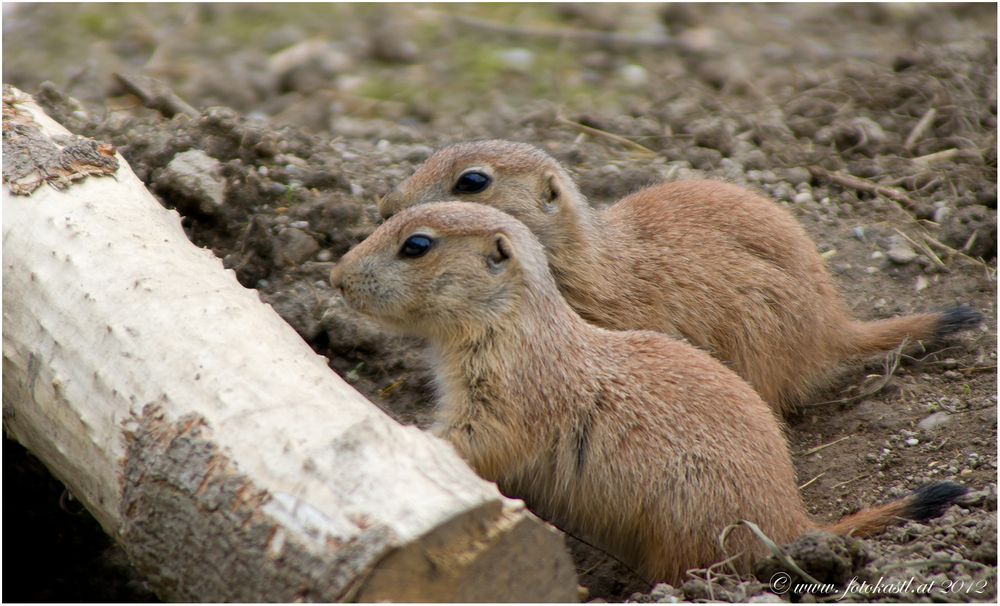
x: 472, y: 182
x: 415, y: 246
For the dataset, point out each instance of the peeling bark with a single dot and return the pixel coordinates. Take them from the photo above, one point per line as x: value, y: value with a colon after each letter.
x: 209, y: 440
x: 32, y: 158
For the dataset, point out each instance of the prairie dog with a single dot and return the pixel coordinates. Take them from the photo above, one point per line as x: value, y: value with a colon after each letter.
x: 644, y: 443
x: 725, y: 268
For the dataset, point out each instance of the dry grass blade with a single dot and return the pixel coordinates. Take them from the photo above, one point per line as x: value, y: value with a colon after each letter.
x: 773, y: 547
x: 968, y: 243
x: 807, y: 484
x: 827, y: 445
x: 391, y: 388
x: 846, y: 482
x: 919, y: 128
x: 596, y: 132
x: 712, y: 577
x: 938, y: 157
x: 990, y: 272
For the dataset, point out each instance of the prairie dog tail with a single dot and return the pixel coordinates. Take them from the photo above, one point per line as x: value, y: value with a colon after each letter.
x: 927, y: 502
x: 866, y: 338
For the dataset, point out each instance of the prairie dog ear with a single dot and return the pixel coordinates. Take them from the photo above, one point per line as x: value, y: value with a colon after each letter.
x: 553, y: 192
x: 500, y: 252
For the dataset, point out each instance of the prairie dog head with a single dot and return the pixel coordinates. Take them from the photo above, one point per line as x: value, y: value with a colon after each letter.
x: 443, y: 269
x: 516, y: 178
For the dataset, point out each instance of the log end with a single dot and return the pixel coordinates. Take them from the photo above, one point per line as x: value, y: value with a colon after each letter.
x: 497, y: 553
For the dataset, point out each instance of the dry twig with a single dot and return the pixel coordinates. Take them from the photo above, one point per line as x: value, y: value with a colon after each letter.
x: 156, y: 95
x: 861, y: 184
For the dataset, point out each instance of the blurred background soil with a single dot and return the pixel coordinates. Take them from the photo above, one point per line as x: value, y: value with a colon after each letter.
x: 297, y: 117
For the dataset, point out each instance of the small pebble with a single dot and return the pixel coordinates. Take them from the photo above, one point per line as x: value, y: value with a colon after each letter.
x: 293, y: 246
x: 932, y: 422
x: 912, y: 441
x: 797, y: 175
x: 517, y: 59
x: 769, y: 177
x: 197, y: 177
x: 634, y: 75
x: 782, y: 191
x: 755, y: 159
x: 859, y: 233
x: 920, y: 283
x: 731, y: 166
x: 418, y: 153
x: 803, y: 198
x: 900, y: 251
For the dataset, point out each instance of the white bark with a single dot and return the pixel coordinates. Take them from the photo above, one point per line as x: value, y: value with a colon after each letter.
x: 205, y: 436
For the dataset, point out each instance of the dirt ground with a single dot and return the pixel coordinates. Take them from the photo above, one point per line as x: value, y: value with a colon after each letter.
x: 305, y: 114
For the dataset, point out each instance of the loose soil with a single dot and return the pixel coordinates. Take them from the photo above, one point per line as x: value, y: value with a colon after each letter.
x: 308, y: 114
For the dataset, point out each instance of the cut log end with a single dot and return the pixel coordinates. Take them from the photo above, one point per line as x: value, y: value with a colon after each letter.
x: 487, y: 553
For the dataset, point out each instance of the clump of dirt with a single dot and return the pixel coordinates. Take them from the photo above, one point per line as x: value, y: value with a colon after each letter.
x: 826, y: 558
x: 304, y: 121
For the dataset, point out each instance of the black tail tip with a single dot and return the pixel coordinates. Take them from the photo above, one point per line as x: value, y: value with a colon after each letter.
x: 930, y: 501
x: 955, y: 319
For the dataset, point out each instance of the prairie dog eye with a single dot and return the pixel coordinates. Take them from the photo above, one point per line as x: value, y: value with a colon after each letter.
x: 416, y: 246
x: 472, y: 182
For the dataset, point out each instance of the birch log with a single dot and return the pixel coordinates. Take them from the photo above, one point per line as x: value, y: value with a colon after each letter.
x: 203, y: 434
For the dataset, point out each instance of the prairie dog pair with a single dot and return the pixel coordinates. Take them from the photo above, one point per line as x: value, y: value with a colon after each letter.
x: 728, y: 270
x: 644, y: 443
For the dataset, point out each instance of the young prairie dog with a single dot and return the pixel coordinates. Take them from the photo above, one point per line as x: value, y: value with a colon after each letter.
x: 716, y: 264
x: 645, y: 444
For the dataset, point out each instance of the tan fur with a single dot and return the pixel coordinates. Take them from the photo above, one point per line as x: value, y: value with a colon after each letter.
x: 644, y: 444
x: 716, y: 264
